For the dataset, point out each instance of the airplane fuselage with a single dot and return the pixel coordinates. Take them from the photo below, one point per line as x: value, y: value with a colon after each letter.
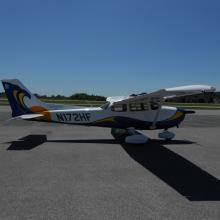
x: 143, y: 120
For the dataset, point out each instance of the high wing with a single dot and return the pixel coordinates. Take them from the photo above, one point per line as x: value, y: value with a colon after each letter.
x: 163, y: 94
x: 117, y: 98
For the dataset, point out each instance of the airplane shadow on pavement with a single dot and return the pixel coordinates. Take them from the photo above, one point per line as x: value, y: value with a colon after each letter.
x: 179, y: 173
x: 32, y: 141
x: 186, y: 178
x: 27, y: 143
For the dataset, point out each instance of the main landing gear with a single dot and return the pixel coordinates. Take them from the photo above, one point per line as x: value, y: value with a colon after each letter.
x: 166, y: 135
x: 131, y: 136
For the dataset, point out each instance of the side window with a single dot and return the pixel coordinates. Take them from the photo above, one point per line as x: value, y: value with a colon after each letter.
x: 145, y: 106
x: 154, y: 105
x: 119, y: 108
x: 136, y: 107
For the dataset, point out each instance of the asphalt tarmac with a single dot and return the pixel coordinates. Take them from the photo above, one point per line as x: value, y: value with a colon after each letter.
x: 52, y: 171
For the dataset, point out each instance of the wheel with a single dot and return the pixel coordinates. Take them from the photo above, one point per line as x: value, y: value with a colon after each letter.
x: 166, y: 135
x: 118, y: 133
x: 136, y: 139
x: 168, y: 139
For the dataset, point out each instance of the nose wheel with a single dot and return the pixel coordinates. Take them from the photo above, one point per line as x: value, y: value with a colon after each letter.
x: 166, y: 135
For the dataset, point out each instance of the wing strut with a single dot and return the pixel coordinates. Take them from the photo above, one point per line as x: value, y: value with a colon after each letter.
x: 157, y: 115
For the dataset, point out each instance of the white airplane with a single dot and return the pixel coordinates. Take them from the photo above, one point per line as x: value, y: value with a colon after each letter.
x: 122, y: 114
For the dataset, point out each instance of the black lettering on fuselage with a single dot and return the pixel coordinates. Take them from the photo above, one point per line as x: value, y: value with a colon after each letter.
x: 69, y: 116
x: 64, y: 115
x: 88, y: 116
x: 60, y: 117
x: 82, y: 117
x: 74, y: 117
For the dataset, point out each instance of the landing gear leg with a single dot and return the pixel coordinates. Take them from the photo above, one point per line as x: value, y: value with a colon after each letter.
x: 166, y: 135
x: 129, y: 136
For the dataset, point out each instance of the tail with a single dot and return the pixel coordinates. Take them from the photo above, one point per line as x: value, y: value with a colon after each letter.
x: 21, y: 100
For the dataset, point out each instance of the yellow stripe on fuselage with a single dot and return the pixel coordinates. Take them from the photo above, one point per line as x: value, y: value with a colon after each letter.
x: 109, y: 119
x: 177, y: 115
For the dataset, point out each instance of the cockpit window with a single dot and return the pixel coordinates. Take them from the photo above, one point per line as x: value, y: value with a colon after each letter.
x: 145, y: 106
x: 119, y: 108
x: 105, y: 106
x: 136, y: 107
x: 139, y: 106
x: 154, y: 105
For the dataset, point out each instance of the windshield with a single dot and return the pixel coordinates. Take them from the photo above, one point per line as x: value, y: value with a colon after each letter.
x: 105, y: 106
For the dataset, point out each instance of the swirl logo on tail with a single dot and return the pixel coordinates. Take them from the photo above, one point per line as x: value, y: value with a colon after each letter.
x: 16, y: 97
x: 19, y: 98
x: 22, y: 101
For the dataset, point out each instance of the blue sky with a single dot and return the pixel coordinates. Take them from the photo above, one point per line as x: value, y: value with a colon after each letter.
x: 109, y: 47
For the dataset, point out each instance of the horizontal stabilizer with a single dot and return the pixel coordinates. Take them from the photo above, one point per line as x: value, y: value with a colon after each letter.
x: 28, y: 116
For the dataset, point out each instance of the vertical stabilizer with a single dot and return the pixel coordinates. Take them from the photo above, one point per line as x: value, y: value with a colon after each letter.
x: 21, y: 100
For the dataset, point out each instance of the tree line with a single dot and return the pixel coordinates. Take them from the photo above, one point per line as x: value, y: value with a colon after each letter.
x: 76, y: 96
x: 201, y: 98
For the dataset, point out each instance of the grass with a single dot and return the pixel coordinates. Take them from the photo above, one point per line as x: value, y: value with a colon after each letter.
x: 195, y: 105
x: 75, y: 102
x: 99, y: 103
x: 65, y: 101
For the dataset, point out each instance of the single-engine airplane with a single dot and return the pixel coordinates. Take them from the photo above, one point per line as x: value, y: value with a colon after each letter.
x: 123, y: 114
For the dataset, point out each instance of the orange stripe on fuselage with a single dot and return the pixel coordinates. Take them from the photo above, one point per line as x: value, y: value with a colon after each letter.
x: 42, y: 110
